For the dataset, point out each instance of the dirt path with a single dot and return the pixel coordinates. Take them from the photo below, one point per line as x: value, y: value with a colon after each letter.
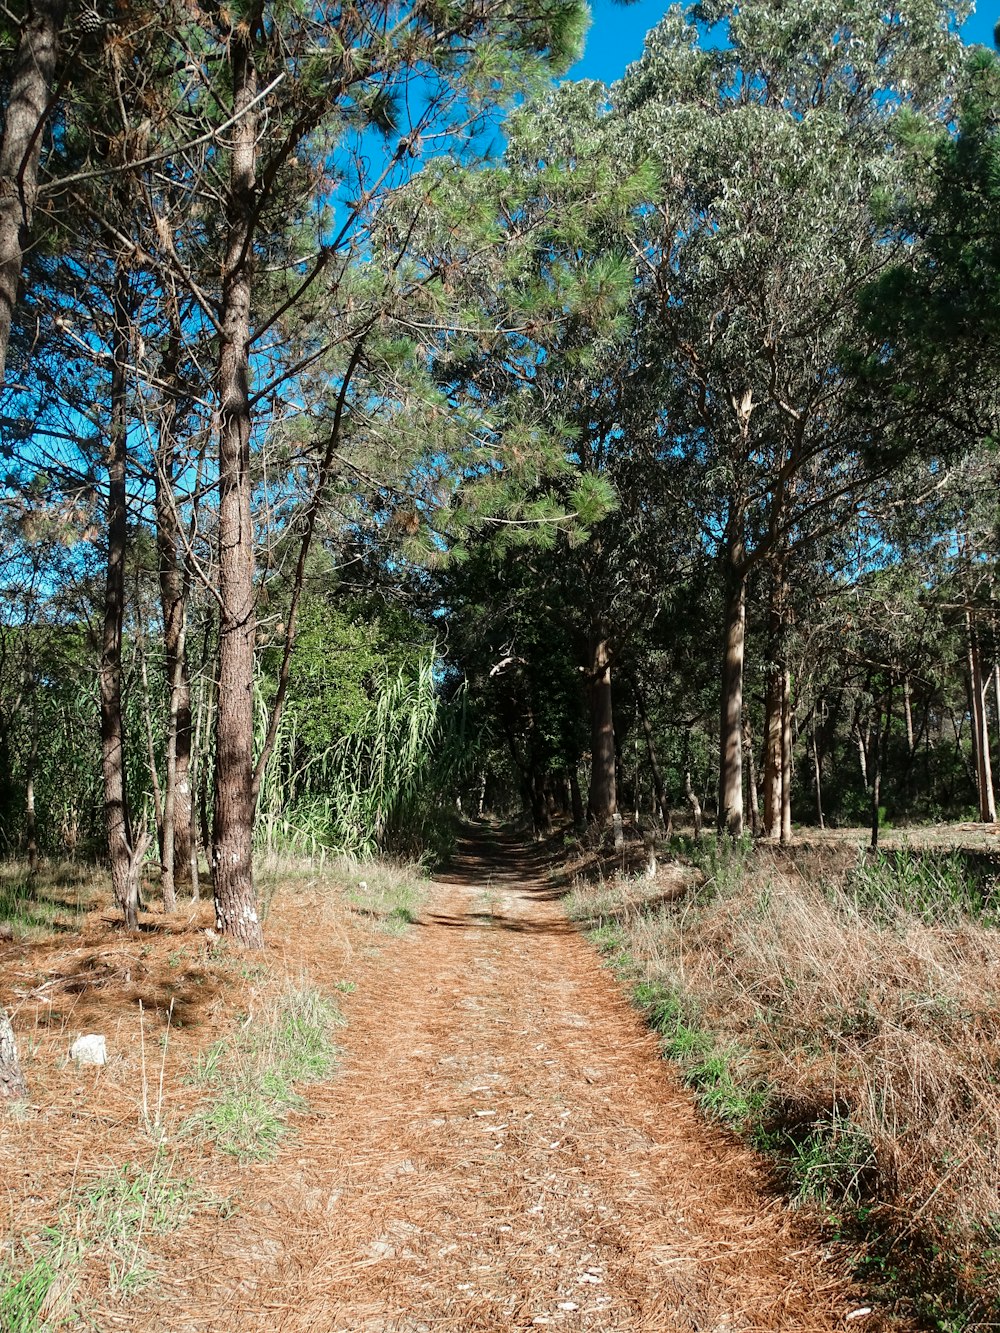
x: 502, y: 1149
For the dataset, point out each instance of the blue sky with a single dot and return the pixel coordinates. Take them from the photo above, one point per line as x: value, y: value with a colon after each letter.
x: 617, y: 34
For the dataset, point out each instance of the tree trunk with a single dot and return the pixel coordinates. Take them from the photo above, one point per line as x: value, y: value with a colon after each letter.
x: 695, y: 804
x: 818, y: 776
x: 755, y: 821
x: 730, y: 812
x: 875, y: 770
x: 177, y: 816
x: 576, y: 800
x: 908, y: 711
x: 27, y: 106
x: 30, y: 829
x: 777, y: 745
x: 772, y: 727
x: 116, y: 813
x: 879, y: 747
x: 980, y: 731
x: 12, y: 1082
x: 235, y: 905
x: 603, y: 799
x: 30, y: 824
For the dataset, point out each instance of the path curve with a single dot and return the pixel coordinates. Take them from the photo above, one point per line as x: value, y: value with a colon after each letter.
x: 503, y: 1149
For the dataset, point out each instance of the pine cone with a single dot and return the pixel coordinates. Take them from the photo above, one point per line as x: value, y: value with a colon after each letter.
x: 90, y: 23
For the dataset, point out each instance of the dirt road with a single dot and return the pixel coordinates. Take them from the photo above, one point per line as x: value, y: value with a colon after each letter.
x: 502, y: 1149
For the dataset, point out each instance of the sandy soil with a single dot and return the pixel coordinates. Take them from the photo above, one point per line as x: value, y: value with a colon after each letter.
x: 501, y: 1149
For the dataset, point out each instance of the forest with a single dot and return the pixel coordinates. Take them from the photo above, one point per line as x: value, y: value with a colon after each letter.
x: 385, y: 425
x: 396, y: 433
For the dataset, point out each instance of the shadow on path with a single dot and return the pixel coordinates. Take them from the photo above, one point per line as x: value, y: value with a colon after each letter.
x: 504, y: 870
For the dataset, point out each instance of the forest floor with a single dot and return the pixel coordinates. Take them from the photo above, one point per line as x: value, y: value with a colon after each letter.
x: 500, y: 1147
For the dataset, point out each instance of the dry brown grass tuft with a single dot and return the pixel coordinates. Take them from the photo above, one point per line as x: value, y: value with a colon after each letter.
x: 847, y: 1019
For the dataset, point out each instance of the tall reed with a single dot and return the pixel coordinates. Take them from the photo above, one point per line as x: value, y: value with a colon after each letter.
x: 383, y: 786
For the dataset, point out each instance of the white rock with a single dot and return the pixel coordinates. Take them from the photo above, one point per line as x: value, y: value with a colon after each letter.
x: 90, y: 1050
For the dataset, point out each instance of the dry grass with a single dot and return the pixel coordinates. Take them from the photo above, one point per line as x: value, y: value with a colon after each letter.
x: 847, y: 1018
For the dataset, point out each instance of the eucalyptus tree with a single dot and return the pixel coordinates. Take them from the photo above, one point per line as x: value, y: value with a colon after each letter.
x: 771, y: 141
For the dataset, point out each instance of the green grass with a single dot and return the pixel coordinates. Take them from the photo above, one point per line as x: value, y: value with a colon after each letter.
x: 253, y: 1076
x: 387, y: 896
x: 124, y: 1206
x: 105, y: 1225
x: 933, y: 887
x: 32, y: 911
x: 26, y: 1304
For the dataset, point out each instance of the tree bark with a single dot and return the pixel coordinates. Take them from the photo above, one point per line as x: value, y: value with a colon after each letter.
x: 980, y: 731
x: 235, y: 905
x: 177, y: 815
x: 12, y: 1082
x: 30, y: 829
x: 879, y: 746
x: 908, y: 711
x: 27, y: 108
x: 818, y: 775
x: 603, y: 798
x: 730, y: 812
x: 778, y: 746
x: 772, y: 728
x: 695, y: 804
x: 755, y: 819
x: 576, y: 800
x: 119, y: 829
x: 875, y: 770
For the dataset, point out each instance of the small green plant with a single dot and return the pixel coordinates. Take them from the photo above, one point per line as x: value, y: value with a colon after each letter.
x: 831, y: 1164
x: 388, y: 897
x: 252, y: 1075
x: 104, y: 1223
x: 26, y: 1301
x: 723, y: 861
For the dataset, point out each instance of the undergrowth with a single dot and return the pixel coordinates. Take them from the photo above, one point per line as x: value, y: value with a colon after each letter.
x: 847, y: 1028
x: 252, y: 1076
x: 35, y: 906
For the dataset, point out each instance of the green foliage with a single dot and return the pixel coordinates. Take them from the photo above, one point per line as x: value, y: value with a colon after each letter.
x: 23, y: 1297
x: 722, y: 861
x: 830, y: 1164
x: 122, y: 1207
x: 937, y: 314
x: 384, y: 785
x: 936, y: 887
x: 105, y: 1224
